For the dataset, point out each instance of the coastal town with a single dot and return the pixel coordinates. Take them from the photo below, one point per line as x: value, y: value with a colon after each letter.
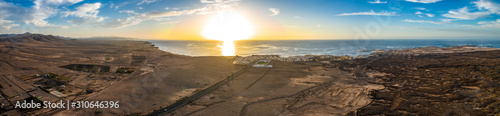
x: 238, y: 60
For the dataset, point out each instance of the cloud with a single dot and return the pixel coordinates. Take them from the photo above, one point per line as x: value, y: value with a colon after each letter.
x: 147, y: 2
x: 7, y: 24
x: 422, y: 21
x: 421, y: 8
x: 13, y: 12
x: 137, y: 18
x: 120, y: 5
x: 448, y: 20
x: 377, y: 2
x: 170, y: 22
x: 297, y: 17
x: 424, y: 1
x: 86, y: 13
x: 485, y: 7
x: 58, y: 2
x: 275, y: 11
x: 382, y: 13
x: 128, y: 11
x: 217, y: 1
x: 488, y: 5
x: 430, y: 15
x: 36, y: 14
x: 120, y: 23
x: 464, y: 14
x: 426, y: 14
x: 211, y: 6
x: 490, y: 24
x: 43, y: 9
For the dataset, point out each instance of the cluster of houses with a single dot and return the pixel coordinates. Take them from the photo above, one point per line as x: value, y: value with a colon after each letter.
x: 253, y: 58
x: 238, y: 60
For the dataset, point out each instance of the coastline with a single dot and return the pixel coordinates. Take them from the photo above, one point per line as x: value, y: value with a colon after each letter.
x: 314, y: 47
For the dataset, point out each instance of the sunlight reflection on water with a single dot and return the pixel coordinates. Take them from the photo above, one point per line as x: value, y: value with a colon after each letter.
x: 227, y: 48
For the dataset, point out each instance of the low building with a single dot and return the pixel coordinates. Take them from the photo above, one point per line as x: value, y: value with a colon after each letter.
x: 263, y: 64
x: 58, y: 94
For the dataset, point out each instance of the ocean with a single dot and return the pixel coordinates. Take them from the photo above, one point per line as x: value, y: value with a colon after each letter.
x: 309, y: 47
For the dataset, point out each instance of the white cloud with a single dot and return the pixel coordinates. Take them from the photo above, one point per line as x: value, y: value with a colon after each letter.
x: 139, y: 7
x: 424, y: 1
x: 491, y: 24
x: 85, y: 10
x: 217, y: 1
x: 426, y: 14
x: 420, y: 8
x: 297, y: 17
x: 377, y: 2
x: 152, y: 15
x: 485, y: 7
x: 383, y: 13
x: 147, y: 2
x: 448, y: 20
x: 128, y: 11
x: 422, y: 21
x: 11, y: 11
x: 119, y: 23
x: 488, y: 5
x: 170, y: 22
x: 120, y: 5
x: 430, y: 15
x: 35, y: 15
x: 86, y: 13
x: 55, y: 2
x: 464, y: 14
x: 44, y: 9
x: 7, y: 24
x: 211, y: 6
x: 275, y: 11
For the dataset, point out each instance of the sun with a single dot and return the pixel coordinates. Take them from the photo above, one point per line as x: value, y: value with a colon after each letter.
x: 228, y: 26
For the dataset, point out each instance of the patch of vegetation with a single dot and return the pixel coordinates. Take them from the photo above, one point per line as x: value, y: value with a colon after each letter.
x: 125, y: 70
x: 88, y: 68
x: 51, y: 80
x: 55, y: 76
x: 262, y: 63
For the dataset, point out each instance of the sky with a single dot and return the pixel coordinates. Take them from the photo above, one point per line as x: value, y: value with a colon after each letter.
x: 270, y: 19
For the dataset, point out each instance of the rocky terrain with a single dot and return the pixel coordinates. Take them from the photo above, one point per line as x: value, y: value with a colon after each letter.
x: 465, y: 83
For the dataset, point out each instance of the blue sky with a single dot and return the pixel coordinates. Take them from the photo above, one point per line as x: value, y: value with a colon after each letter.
x: 272, y: 19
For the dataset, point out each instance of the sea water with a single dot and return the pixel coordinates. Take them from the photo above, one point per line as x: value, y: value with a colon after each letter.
x: 311, y: 47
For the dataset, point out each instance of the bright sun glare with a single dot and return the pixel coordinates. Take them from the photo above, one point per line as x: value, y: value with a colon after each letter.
x: 228, y: 26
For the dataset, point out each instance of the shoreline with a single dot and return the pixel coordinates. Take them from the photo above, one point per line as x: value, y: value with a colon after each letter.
x: 369, y: 51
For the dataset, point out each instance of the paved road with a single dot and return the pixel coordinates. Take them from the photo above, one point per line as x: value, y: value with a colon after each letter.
x: 184, y: 101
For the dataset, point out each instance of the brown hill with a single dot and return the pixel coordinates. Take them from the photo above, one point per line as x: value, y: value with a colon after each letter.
x: 31, y: 38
